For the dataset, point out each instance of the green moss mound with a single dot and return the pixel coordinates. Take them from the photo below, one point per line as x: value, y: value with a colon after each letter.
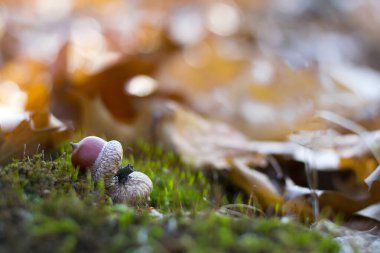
x: 46, y: 205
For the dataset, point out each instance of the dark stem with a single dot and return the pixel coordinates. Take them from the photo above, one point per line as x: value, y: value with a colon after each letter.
x: 123, y: 173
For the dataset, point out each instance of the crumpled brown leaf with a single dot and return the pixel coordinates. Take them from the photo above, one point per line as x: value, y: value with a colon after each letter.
x: 257, y: 184
x: 109, y: 84
x: 371, y: 212
x: 205, y: 142
x: 26, y: 124
x: 330, y: 150
x: 31, y: 136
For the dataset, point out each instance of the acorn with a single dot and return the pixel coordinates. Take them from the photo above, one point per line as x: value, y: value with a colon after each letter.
x: 101, y: 157
x: 130, y: 187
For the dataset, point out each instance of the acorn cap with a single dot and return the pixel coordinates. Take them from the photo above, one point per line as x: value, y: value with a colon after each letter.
x: 108, y: 162
x: 129, y: 186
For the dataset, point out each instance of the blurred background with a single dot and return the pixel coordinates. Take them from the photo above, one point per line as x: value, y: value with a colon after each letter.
x: 118, y: 69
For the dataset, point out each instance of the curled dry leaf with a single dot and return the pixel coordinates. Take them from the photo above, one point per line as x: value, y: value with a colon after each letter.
x: 330, y: 150
x: 26, y: 123
x: 373, y: 177
x: 344, y: 161
x: 119, y: 101
x: 255, y: 183
x: 371, y: 212
x: 243, y: 89
x: 204, y: 142
x: 32, y: 136
x: 342, y: 202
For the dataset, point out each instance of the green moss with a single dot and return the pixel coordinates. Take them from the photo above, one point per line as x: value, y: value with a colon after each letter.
x: 48, y: 206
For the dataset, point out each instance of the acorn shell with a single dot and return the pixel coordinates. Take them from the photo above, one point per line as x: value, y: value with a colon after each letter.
x: 86, y: 151
x: 133, y: 191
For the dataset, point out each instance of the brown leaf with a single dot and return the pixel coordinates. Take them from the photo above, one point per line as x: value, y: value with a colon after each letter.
x: 111, y: 84
x: 204, y: 142
x: 31, y: 137
x: 299, y: 206
x: 255, y: 184
x: 373, y: 177
x: 239, y: 92
x: 372, y: 212
x: 342, y: 203
x: 329, y: 149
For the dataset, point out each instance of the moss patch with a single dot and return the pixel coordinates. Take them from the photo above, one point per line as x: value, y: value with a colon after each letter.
x: 48, y: 206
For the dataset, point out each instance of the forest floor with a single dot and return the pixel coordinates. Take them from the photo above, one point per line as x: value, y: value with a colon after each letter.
x: 47, y: 205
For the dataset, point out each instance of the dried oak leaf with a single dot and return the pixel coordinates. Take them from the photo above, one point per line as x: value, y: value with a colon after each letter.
x: 348, y: 203
x: 243, y: 88
x: 371, y: 212
x: 100, y: 104
x: 205, y: 142
x: 111, y: 84
x: 255, y: 183
x: 329, y: 150
x: 39, y: 132
x: 339, y: 182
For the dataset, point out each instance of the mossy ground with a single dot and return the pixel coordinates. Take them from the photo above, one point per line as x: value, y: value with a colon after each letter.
x: 46, y: 205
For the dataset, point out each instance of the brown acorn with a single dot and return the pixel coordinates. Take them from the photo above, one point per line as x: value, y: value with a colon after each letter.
x: 130, y: 187
x: 101, y: 157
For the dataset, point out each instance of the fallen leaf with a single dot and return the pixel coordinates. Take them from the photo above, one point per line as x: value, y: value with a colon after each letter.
x: 30, y: 138
x: 204, y: 142
x: 328, y: 149
x: 374, y: 176
x: 255, y: 183
x: 372, y: 212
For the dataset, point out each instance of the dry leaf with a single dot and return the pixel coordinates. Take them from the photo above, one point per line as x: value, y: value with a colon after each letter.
x: 330, y: 150
x: 243, y: 89
x: 205, y: 142
x: 374, y: 176
x: 372, y: 212
x: 31, y: 137
x: 255, y: 184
